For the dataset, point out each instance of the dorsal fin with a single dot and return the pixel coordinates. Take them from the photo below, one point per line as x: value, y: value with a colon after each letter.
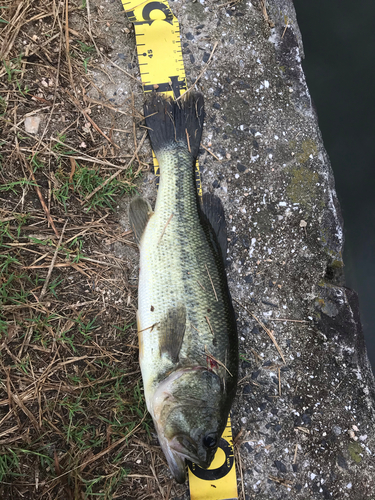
x: 172, y: 331
x: 140, y: 212
x: 213, y: 209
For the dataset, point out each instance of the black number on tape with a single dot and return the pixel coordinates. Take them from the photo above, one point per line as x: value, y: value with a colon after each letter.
x: 219, y: 472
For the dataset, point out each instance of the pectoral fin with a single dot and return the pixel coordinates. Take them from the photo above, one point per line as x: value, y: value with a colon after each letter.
x: 172, y: 331
x: 140, y: 212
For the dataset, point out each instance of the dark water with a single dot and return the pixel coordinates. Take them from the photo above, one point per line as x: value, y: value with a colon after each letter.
x: 339, y: 42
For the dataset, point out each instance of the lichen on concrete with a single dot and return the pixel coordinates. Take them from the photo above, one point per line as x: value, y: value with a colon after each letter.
x: 305, y: 427
x: 302, y: 188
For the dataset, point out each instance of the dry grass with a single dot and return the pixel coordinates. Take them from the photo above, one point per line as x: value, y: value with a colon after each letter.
x: 73, y: 422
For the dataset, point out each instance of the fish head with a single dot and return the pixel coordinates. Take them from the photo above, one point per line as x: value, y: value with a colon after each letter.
x: 190, y: 414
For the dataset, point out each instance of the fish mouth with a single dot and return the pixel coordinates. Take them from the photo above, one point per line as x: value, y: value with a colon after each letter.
x: 179, y: 449
x: 185, y: 448
x: 176, y: 454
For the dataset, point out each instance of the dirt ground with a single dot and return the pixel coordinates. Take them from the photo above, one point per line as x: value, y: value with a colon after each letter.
x: 73, y: 421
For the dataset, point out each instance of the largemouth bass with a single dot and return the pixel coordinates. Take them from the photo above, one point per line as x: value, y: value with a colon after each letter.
x: 188, y: 348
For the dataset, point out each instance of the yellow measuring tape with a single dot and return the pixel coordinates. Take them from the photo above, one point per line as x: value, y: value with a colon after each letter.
x: 219, y: 481
x: 162, y: 69
x: 157, y: 33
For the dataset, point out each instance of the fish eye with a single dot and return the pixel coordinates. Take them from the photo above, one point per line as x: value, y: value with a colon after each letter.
x: 210, y: 440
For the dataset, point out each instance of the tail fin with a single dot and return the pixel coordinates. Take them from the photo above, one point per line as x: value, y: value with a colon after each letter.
x: 175, y: 123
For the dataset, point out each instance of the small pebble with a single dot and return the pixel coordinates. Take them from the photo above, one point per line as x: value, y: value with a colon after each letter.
x: 32, y: 124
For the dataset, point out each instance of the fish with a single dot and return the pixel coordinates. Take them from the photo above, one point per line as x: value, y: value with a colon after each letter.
x: 188, y: 344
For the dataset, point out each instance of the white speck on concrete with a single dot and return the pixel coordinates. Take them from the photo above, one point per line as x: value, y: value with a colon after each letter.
x: 251, y: 250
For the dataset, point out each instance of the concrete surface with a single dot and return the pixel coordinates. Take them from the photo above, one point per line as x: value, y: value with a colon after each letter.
x: 305, y: 427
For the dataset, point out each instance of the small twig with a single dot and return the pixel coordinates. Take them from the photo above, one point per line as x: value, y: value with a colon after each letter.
x: 306, y: 431
x: 44, y: 289
x: 212, y: 284
x: 239, y: 464
x: 27, y: 50
x: 134, y: 129
x: 209, y: 355
x: 209, y: 324
x: 126, y: 73
x: 269, y: 333
x: 81, y: 233
x: 199, y: 283
x: 72, y: 169
x: 286, y: 20
x: 67, y: 47
x: 196, y: 329
x: 90, y: 32
x: 165, y: 227
x: 290, y: 320
x: 201, y: 73
x: 84, y: 157
x: 86, y: 115
x: 188, y: 140
x: 228, y: 4
x: 26, y: 340
x: 109, y: 179
x: 148, y: 328
x: 41, y: 199
x: 278, y: 480
x: 211, y: 153
x: 295, y: 454
x: 9, y: 431
x: 43, y: 266
x: 271, y: 336
x: 265, y: 14
x: 264, y: 9
x: 18, y: 401
x: 278, y: 372
x: 100, y: 262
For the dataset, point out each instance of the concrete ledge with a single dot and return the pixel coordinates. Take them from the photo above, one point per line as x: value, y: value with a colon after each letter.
x: 306, y: 425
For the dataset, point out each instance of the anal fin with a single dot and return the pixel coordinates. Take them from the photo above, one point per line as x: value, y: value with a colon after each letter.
x: 140, y: 212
